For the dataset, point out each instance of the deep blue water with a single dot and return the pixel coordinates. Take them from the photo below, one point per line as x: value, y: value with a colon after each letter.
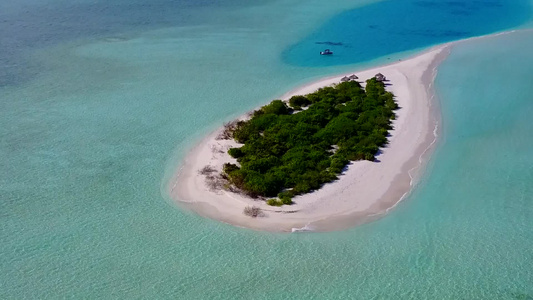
x: 393, y: 26
x: 34, y: 25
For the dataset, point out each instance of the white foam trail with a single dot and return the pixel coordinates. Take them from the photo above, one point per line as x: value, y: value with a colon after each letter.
x: 306, y: 228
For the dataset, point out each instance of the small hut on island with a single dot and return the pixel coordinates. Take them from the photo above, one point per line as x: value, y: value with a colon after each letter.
x: 380, y: 77
x: 352, y: 77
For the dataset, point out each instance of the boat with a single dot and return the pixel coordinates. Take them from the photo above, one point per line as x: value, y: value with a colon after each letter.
x: 326, y: 52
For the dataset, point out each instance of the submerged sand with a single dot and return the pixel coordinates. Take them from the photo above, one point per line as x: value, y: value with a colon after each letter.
x: 365, y: 191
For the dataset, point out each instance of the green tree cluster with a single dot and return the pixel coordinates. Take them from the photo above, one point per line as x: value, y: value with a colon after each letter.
x: 288, y: 151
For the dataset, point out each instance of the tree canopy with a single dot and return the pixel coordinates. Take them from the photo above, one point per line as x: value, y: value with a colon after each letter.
x: 294, y: 149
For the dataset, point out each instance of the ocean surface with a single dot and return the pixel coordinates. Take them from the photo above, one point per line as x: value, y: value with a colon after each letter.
x: 100, y: 101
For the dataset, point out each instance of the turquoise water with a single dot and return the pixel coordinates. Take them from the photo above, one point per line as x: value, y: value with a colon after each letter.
x: 100, y: 101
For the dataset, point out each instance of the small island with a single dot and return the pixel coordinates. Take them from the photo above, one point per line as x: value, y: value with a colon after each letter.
x: 331, y: 154
x: 294, y: 148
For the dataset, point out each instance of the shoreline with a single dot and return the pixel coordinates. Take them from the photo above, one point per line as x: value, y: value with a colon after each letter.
x: 363, y: 193
x: 412, y: 169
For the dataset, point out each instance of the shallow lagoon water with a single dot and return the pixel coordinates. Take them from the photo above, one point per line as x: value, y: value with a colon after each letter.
x: 92, y: 124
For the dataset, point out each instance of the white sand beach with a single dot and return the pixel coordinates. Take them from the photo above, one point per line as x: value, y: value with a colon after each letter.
x: 363, y: 193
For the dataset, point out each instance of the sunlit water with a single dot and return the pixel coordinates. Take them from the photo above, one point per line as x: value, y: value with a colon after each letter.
x: 100, y: 100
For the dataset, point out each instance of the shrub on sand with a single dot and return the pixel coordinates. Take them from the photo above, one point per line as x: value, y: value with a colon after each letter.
x: 253, y: 211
